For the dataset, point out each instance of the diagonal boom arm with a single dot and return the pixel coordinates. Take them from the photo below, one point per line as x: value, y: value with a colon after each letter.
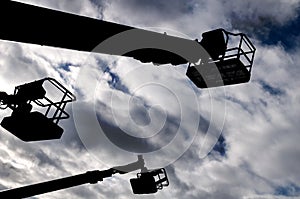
x: 31, y: 24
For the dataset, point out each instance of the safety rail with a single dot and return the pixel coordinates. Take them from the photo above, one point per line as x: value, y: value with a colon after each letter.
x: 240, y: 51
x: 60, y: 105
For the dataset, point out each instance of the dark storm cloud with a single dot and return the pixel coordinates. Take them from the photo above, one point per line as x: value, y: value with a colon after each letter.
x: 85, y: 192
x: 124, y: 141
x: 271, y: 89
x: 7, y: 169
x: 167, y: 9
x: 267, y: 21
x: 244, y: 105
x: 138, y: 145
x: 291, y: 190
x: 70, y: 137
x: 220, y: 147
x: 2, y: 187
x: 115, y: 82
x: 203, y: 124
x: 270, y: 31
x: 178, y: 185
x: 45, y: 159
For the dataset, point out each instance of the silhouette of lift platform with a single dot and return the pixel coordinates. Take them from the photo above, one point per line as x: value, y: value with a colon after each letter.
x: 41, y: 124
x: 226, y: 65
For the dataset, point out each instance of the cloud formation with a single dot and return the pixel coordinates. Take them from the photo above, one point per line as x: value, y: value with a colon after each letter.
x: 261, y: 124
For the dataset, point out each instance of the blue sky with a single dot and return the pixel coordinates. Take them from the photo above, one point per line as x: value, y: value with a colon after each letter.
x: 258, y: 153
x: 287, y: 34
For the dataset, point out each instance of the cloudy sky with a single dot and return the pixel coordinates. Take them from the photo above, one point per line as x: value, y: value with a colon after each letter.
x: 236, y: 142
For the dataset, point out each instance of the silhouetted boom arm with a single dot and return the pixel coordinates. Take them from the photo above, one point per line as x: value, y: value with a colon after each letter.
x: 217, y: 65
x: 31, y: 24
x: 91, y: 177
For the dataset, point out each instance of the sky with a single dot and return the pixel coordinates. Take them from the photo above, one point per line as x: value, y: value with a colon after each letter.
x: 233, y: 142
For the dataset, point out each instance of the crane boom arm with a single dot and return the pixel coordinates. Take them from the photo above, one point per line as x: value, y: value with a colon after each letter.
x: 31, y: 24
x: 58, y: 184
x: 36, y: 25
x: 91, y: 177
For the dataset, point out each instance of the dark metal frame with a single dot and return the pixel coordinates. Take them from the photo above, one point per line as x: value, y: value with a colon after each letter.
x: 60, y: 105
x: 240, y: 51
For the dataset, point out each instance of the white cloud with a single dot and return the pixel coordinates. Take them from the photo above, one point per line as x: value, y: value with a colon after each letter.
x: 261, y: 128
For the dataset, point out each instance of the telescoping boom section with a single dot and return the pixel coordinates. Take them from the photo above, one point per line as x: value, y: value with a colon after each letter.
x: 229, y: 61
x: 147, y: 181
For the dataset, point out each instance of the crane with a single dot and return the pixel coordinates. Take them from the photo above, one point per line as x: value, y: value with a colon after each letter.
x: 36, y: 25
x: 147, y: 181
